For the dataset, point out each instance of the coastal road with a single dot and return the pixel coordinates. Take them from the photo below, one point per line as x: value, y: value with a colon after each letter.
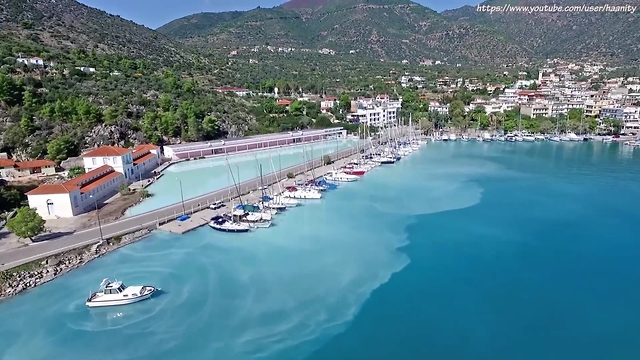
x: 149, y: 220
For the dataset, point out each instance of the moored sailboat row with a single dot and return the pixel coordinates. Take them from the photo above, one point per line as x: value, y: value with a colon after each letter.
x: 245, y: 217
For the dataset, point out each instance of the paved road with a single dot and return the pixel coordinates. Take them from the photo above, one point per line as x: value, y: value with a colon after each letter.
x: 151, y: 219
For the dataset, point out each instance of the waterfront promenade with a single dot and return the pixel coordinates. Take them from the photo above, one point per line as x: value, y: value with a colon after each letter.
x: 149, y: 220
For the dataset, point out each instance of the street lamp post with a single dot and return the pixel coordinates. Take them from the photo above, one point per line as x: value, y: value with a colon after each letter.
x: 98, y: 215
x: 184, y: 211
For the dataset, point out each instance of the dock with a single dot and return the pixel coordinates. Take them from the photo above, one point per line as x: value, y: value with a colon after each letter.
x: 201, y: 217
x: 196, y: 220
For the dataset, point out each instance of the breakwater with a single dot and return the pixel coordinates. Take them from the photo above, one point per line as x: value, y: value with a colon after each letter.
x: 30, y: 275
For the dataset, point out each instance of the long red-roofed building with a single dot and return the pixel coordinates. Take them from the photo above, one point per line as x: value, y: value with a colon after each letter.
x: 107, y: 169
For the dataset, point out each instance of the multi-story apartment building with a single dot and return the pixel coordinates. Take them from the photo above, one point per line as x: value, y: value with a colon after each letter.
x: 379, y: 112
x: 536, y: 109
x: 442, y: 109
x: 629, y: 115
x: 592, y: 107
x: 492, y: 106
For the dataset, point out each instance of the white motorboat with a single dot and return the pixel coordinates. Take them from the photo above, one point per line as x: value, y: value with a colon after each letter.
x: 224, y: 224
x: 486, y: 137
x: 529, y: 138
x: 539, y: 137
x: 501, y: 138
x: 510, y: 138
x: 384, y: 160
x: 554, y: 138
x: 607, y: 139
x: 565, y: 138
x: 519, y: 138
x: 445, y: 137
x: 286, y: 201
x: 453, y: 137
x: 253, y: 219
x: 464, y: 138
x: 295, y: 193
x: 270, y: 204
x: 339, y: 176
x: 113, y: 293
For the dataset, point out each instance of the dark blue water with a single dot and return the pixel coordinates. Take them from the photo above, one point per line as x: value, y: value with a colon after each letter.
x: 546, y: 266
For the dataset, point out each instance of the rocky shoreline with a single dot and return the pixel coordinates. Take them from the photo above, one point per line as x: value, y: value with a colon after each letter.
x: 28, y: 276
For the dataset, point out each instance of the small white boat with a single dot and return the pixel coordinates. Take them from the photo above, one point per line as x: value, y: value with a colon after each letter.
x: 529, y: 138
x: 445, y: 137
x: 539, y: 137
x: 486, y: 137
x: 114, y: 293
x: 607, y: 139
x: 555, y: 138
x: 464, y: 138
x: 519, y: 138
x: 340, y: 176
x: 453, y: 137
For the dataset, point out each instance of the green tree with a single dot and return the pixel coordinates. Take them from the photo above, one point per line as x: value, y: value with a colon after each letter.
x: 76, y: 171
x: 210, y: 128
x: 61, y: 149
x: 26, y: 224
x: 323, y: 122
x: 296, y: 108
x: 344, y: 103
x: 10, y: 198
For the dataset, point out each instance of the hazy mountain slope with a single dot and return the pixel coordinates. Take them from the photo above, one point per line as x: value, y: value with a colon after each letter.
x: 610, y: 36
x: 66, y: 24
x: 387, y: 29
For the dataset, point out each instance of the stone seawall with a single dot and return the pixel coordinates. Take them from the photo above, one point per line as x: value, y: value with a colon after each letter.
x: 28, y: 276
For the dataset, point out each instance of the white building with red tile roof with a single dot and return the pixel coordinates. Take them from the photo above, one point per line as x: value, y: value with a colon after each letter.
x: 10, y: 168
x: 76, y: 196
x: 133, y: 163
x: 107, y: 169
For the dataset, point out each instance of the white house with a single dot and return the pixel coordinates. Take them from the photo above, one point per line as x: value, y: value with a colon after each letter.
x: 328, y: 103
x: 120, y: 159
x: 33, y: 61
x: 132, y: 163
x: 76, y: 196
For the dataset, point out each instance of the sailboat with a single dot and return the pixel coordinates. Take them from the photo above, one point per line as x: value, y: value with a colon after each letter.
x: 555, y: 136
x: 279, y: 199
x: 518, y: 136
x: 226, y: 224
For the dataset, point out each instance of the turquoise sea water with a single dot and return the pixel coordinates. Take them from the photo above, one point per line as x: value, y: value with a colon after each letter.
x: 200, y: 177
x: 461, y: 251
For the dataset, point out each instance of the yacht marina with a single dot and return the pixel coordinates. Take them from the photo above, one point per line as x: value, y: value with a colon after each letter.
x: 244, y: 212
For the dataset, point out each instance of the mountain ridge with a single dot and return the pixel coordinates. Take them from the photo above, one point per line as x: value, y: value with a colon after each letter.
x: 378, y: 29
x: 68, y: 24
x: 402, y: 29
